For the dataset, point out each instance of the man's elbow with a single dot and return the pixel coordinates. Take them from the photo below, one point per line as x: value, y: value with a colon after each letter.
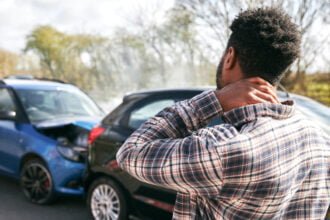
x: 128, y: 155
x: 121, y: 157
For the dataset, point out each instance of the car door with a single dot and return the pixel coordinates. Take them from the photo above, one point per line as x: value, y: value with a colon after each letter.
x: 9, y: 134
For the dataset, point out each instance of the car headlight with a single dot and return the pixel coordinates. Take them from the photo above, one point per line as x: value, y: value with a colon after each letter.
x: 69, y: 153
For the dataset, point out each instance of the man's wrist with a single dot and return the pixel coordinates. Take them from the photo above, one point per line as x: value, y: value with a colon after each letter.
x: 207, y: 105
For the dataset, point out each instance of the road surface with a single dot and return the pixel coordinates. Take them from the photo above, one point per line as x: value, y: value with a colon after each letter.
x: 13, y: 206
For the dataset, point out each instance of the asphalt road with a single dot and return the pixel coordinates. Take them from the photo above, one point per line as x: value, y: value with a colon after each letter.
x: 13, y: 206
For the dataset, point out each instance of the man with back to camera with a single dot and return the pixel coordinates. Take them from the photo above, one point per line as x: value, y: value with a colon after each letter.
x: 265, y: 162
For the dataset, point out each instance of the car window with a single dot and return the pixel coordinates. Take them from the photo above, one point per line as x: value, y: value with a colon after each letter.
x: 42, y: 105
x: 6, y: 102
x: 70, y: 102
x: 140, y: 115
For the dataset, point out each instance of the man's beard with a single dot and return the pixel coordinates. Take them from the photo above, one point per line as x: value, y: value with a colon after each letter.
x: 218, y: 77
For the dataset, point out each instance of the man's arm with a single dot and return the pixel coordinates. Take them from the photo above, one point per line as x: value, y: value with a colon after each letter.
x: 161, y: 153
x: 170, y: 151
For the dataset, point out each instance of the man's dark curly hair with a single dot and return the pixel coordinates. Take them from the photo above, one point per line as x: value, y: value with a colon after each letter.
x: 266, y: 42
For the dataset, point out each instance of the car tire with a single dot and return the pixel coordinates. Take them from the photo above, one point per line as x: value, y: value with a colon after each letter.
x: 106, y: 200
x: 36, y: 182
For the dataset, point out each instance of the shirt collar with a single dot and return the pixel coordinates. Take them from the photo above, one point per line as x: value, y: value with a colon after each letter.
x: 245, y: 114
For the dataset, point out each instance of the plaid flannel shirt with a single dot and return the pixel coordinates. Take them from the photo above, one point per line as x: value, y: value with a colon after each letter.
x: 266, y: 162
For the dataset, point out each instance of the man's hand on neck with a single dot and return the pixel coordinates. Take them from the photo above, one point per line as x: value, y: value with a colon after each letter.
x: 246, y: 92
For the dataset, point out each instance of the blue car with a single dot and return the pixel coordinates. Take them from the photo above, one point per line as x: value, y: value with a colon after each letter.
x: 44, y: 128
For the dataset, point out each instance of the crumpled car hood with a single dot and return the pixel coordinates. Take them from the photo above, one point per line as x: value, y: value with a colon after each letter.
x: 84, y: 122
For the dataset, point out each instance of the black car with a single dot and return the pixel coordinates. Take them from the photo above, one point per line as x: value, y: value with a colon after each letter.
x: 110, y: 188
x: 114, y: 193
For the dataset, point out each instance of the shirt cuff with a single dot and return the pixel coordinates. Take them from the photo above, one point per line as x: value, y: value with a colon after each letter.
x: 207, y: 105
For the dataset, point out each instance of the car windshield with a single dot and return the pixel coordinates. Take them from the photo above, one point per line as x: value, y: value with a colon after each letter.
x: 42, y: 105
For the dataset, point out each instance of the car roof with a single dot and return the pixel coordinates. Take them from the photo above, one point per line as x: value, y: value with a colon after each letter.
x: 151, y: 92
x: 32, y: 84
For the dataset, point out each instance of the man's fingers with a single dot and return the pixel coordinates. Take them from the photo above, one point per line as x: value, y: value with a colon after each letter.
x: 266, y: 89
x: 266, y: 97
x: 256, y: 100
x: 258, y: 80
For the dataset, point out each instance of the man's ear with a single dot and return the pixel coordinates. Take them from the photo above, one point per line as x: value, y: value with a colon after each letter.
x: 230, y: 58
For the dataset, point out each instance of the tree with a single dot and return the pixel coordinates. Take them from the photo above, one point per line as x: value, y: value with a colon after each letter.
x: 8, y: 63
x: 212, y: 20
x: 173, y: 48
x: 214, y: 17
x: 60, y: 54
x: 307, y: 14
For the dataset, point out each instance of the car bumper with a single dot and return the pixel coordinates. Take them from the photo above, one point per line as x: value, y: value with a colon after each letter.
x: 67, y: 176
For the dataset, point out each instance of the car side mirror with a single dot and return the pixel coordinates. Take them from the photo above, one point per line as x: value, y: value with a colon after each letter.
x: 8, y: 115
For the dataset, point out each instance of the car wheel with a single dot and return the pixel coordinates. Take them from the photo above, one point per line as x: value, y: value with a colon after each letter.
x: 36, y: 182
x: 106, y: 200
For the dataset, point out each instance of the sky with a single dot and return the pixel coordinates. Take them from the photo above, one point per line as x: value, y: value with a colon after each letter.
x: 19, y: 17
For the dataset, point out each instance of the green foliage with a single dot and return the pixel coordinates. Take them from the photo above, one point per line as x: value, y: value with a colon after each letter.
x: 317, y: 87
x: 60, y: 54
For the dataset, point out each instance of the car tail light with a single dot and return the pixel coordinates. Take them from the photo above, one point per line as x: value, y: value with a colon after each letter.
x: 112, y: 165
x: 95, y: 133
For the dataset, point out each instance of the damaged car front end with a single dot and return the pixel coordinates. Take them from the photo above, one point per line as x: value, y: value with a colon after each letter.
x: 70, y: 154
x: 71, y: 136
